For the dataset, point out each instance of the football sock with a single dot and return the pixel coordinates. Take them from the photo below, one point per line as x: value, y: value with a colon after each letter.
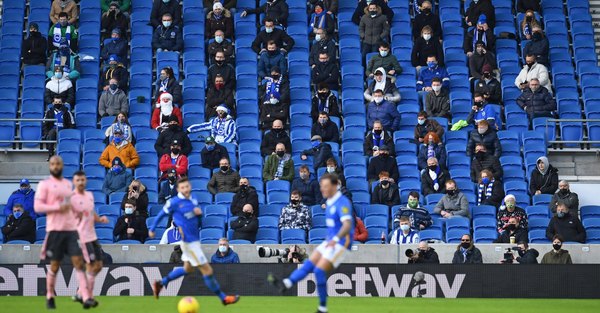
x: 174, y: 274
x: 213, y: 285
x: 91, y: 278
x: 299, y: 274
x: 83, y: 284
x: 321, y: 277
x: 50, y: 282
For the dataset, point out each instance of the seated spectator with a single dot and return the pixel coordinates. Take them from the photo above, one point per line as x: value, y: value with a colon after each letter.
x: 481, y: 33
x: 275, y: 82
x: 482, y: 7
x: 482, y: 160
x: 486, y: 136
x: 174, y: 160
x: 383, y: 111
x: 327, y: 129
x: 175, y: 257
x: 567, y: 197
x: 434, y: 178
x: 58, y: 118
x: 418, y: 216
x: 426, y: 126
x: 323, y: 44
x: 557, y: 255
x: 426, y: 18
x: 279, y: 165
x: 385, y: 84
x: 168, y: 187
x: 116, y: 46
x: 245, y: 195
x: 212, y: 153
x: 218, y: 19
x: 544, y: 178
x: 426, y: 46
x: 525, y: 5
x: 426, y: 75
x: 167, y: 136
x: 404, y: 234
x: 172, y: 236
x: 220, y: 44
x: 383, y: 162
x: 19, y: 225
x: 385, y: 61
x: 218, y: 94
x: 425, y: 254
x: 362, y: 9
x: 376, y: 138
x: 481, y: 57
x: 116, y: 70
x: 224, y: 180
x: 326, y: 72
x: 431, y: 148
x: 167, y: 36
x: 114, y: 18
x: 220, y: 67
x: 224, y: 254
x: 65, y: 59
x: 273, y: 57
x: 437, y: 101
x: 373, y: 28
x: 275, y: 10
x: 324, y: 101
x: 536, y: 101
x: 482, y: 111
x: 60, y: 86
x: 34, y: 47
x: 538, y: 46
x: 168, y: 83
x: 333, y: 168
x: 510, y: 210
x: 117, y: 179
x: 385, y: 192
x: 466, y: 252
x: 273, y: 109
x: 321, y: 152
x: 489, y: 191
x: 566, y: 225
x: 320, y: 19
x: 122, y: 149
x: 68, y: 7
x: 162, y: 7
x: 222, y: 127
x: 512, y: 233
x: 122, y: 124
x: 245, y: 226
x: 137, y: 192
x: 453, y: 203
x: 489, y: 86
x: 23, y: 196
x: 526, y: 255
x: 131, y: 226
x: 295, y: 215
x: 113, y: 101
x: 527, y: 25
x: 164, y: 111
x: 331, y: 6
x: 274, y: 136
x: 281, y: 38
x: 62, y: 31
x: 532, y: 69
x: 361, y: 234
x: 307, y: 186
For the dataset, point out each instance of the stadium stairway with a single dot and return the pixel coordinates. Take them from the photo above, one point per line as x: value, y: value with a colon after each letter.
x: 595, y: 11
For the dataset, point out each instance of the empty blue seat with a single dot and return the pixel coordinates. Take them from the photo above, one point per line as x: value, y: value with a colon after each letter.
x: 317, y: 235
x: 485, y: 235
x: 538, y: 223
x: 431, y: 234
x: 213, y: 222
x: 589, y: 211
x: 542, y: 199
x: 454, y: 235
x: 537, y: 235
x: 293, y: 236
x: 211, y: 235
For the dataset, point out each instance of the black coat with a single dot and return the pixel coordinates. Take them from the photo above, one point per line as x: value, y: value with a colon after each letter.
x: 489, y: 139
x: 326, y: 73
x: 224, y: 46
x: 482, y: 7
x: 320, y: 154
x: 388, y: 140
x: 166, y: 137
x: 379, y: 163
x: 530, y: 257
x: 112, y: 20
x: 67, y: 120
x: 477, y: 61
x: 389, y: 196
x: 540, y: 48
x: 362, y: 5
x: 570, y: 199
x: 488, y: 162
x: 210, y: 159
x: 569, y: 227
x: 214, y: 98
x: 245, y: 228
x: 492, y: 88
x: 119, y: 72
x: 22, y: 228
x: 225, y: 24
x: 327, y: 46
x: 281, y: 38
x: 242, y: 198
x: 538, y: 102
x: 271, y: 112
x: 141, y: 203
x: 226, y: 70
x: 429, y: 256
x: 422, y: 49
x: 427, y: 182
x: 329, y: 131
x: 33, y: 49
x: 137, y: 222
x: 473, y: 257
x: 271, y: 139
x: 170, y: 38
x: 431, y: 20
x: 173, y: 88
x: 334, y: 109
x: 159, y: 8
x: 470, y: 40
x: 278, y: 10
x: 547, y: 183
x: 166, y: 191
x: 520, y: 235
x: 497, y: 194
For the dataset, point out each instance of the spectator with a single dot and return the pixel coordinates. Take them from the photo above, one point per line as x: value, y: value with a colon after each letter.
x: 385, y: 192
x: 486, y: 136
x: 273, y: 57
x: 222, y: 127
x: 224, y: 254
x: 117, y: 179
x: 383, y: 162
x: 323, y: 43
x: 168, y: 83
x: 362, y: 9
x: 228, y: 4
x: 566, y: 225
x: 168, y: 187
x: 526, y: 255
x: 418, y: 216
x: 489, y: 191
x: 115, y: 46
x: 404, y: 234
x: 173, y: 160
x: 510, y: 210
x: 479, y: 59
x: 333, y: 168
x: 373, y: 29
x: 325, y: 128
x: 19, y: 225
x: 482, y: 111
x: 437, y: 101
x: 434, y: 178
x: 361, y: 233
x: 385, y: 84
x: 122, y: 5
x: 61, y: 87
x: 218, y: 94
x: 68, y: 7
x: 478, y: 8
x: 62, y: 31
x: 544, y: 178
x: 120, y: 123
x: 137, y: 192
x: 385, y: 61
x: 283, y: 40
x: 224, y: 180
x: 116, y: 70
x: 307, y: 186
x: 324, y: 101
x: 563, y: 195
x: 432, y: 148
x: 220, y: 67
x: 113, y: 101
x: 162, y: 7
x: 273, y: 109
x: 65, y: 59
x: 212, y: 153
x: 122, y: 149
x: 167, y: 36
x: 536, y: 101
x: 426, y: 46
x: 527, y: 25
x: 275, y: 82
x: 279, y: 165
x: 383, y: 111
x: 482, y: 160
x: 321, y: 152
x: 218, y: 19
x: 326, y: 72
x: 426, y: 18
x: 271, y: 138
x: 331, y: 6
x: 175, y: 257
x: 525, y: 5
x: 320, y: 19
x: 275, y: 10
x: 427, y: 74
x: 481, y: 33
x: 425, y: 254
x: 512, y: 233
x: 245, y: 226
x: 376, y: 138
x: 114, y: 18
x: 453, y: 203
x: 245, y: 195
x: 172, y: 236
x: 489, y: 86
x: 60, y: 118
x: 295, y: 215
x: 532, y: 69
x: 538, y: 46
x: 34, y: 47
x: 466, y: 252
x: 220, y: 44
x: 23, y: 196
x: 557, y: 255
x: 426, y: 126
x: 131, y: 226
x: 173, y: 132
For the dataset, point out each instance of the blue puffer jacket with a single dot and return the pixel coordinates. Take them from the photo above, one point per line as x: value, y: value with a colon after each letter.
x: 23, y: 197
x: 229, y: 258
x: 386, y: 112
x: 311, y: 194
x: 427, y: 74
x: 267, y: 61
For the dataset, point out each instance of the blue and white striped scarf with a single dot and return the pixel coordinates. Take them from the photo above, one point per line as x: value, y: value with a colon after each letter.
x: 488, y: 191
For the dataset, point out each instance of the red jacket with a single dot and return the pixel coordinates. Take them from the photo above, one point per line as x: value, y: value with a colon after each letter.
x: 181, y: 166
x: 360, y: 231
x: 156, y: 117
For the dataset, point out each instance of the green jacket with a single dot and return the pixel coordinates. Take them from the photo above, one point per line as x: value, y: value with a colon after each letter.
x: 124, y: 5
x: 560, y: 257
x: 270, y: 168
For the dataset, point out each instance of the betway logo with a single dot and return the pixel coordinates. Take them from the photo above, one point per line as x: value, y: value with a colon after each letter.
x: 372, y: 284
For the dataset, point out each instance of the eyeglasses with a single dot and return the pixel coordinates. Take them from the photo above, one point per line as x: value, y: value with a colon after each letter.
x: 465, y: 240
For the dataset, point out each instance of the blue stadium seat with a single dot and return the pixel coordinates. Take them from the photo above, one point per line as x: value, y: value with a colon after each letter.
x: 211, y: 235
x: 454, y: 235
x: 217, y: 222
x: 485, y: 235
x: 317, y: 235
x: 431, y: 234
x: 267, y: 235
x: 487, y: 211
x: 537, y: 235
x: 542, y: 199
x: 293, y: 236
x: 488, y: 223
x: 589, y: 211
x: 538, y: 223
x: 537, y: 211
x: 462, y: 223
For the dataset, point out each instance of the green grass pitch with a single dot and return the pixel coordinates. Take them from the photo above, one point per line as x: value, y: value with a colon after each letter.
x: 12, y: 304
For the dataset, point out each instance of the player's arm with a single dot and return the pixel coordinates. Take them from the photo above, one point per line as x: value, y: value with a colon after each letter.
x: 100, y: 219
x: 39, y: 203
x: 347, y: 224
x: 164, y: 212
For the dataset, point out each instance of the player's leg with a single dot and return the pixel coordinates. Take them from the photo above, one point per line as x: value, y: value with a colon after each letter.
x: 53, y: 250
x: 322, y: 268
x: 299, y: 274
x: 177, y: 272
x: 79, y: 266
x: 94, y: 266
x: 212, y: 284
x: 51, y: 282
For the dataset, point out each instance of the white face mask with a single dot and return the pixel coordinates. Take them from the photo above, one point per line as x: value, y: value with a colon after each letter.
x: 223, y: 249
x: 481, y: 130
x: 318, y: 37
x: 273, y: 100
x: 377, y: 99
x: 436, y: 88
x: 383, y: 53
x: 128, y: 211
x: 330, y: 169
x: 405, y: 227
x: 166, y: 23
x: 426, y: 36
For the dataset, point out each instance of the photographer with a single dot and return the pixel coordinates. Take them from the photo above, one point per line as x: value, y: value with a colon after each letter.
x: 526, y: 255
x: 512, y: 233
x: 293, y: 254
x: 424, y: 254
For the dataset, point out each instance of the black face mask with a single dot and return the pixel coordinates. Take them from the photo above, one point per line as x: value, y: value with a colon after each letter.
x: 528, y: 18
x: 219, y: 62
x: 383, y: 154
x: 275, y: 77
x: 465, y: 245
x: 175, y: 151
x: 294, y: 202
x: 451, y: 192
x: 323, y: 95
x: 378, y: 131
x: 536, y: 36
x: 280, y: 153
x: 243, y: 187
x: 432, y: 167
x: 521, y: 252
x: 174, y: 127
x: 277, y: 131
x: 224, y: 168
x: 557, y: 246
x: 479, y: 104
x: 563, y: 192
x: 479, y: 155
x: 172, y: 179
x: 426, y: 11
x: 385, y: 183
x: 272, y: 52
x: 58, y: 106
x: 511, y: 227
x: 373, y: 13
x: 487, y: 75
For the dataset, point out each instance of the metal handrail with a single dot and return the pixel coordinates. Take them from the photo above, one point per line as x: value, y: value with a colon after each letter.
x: 27, y: 119
x: 571, y: 120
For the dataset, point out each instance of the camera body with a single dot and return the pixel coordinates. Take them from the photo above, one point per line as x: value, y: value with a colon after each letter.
x: 293, y: 254
x: 410, y: 253
x: 509, y: 256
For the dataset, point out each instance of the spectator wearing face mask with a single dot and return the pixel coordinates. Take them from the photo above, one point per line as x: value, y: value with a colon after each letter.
x: 376, y: 138
x: 174, y: 160
x: 273, y: 137
x: 273, y: 57
x: 527, y: 25
x: 557, y: 255
x: 453, y: 203
x: 275, y: 10
x: 59, y: 118
x: 484, y: 161
x: 404, y: 234
x: 122, y: 124
x: 489, y: 191
x: 222, y: 127
x: 137, y: 192
x: 533, y: 70
x: 59, y: 86
x: 224, y: 180
x: 567, y: 197
x: 320, y: 19
x: 384, y: 111
x: 167, y: 136
x: 333, y: 168
x: 220, y: 44
x: 212, y: 153
x: 481, y: 7
x: 273, y: 109
x: 34, y: 47
x: 426, y: 45
x: 538, y: 46
x: 65, y: 59
x: 424, y: 254
x: 526, y: 255
x: 19, y: 225
x: 565, y: 224
x: 362, y: 9
x: 385, y: 84
x: 432, y: 147
x: 117, y: 179
x: 246, y: 225
x: 383, y: 162
x: 437, y: 101
x: 426, y: 18
x: 62, y: 31
x: 23, y: 196
x: 114, y: 17
x: 295, y: 215
x: 481, y: 57
x: 69, y: 7
x: 433, y: 178
x: 384, y: 61
x: 162, y: 7
x: 218, y: 19
x: 167, y: 36
x: 321, y: 152
x: 525, y: 5
x: 418, y: 216
x: 275, y: 82
x: 115, y: 46
x: 489, y: 86
x: 536, y: 101
x: 385, y: 192
x: 544, y: 178
x: 327, y: 129
x: 168, y: 187
x: 512, y: 233
x: 466, y: 252
x: 372, y: 29
x: 113, y: 101
x: 425, y: 126
x: 131, y: 226
x: 307, y: 186
x: 221, y: 67
x: 279, y: 165
x: 245, y: 195
x: 281, y: 38
x: 217, y: 95
x: 167, y: 83
x: 162, y: 113
x: 486, y: 136
x: 324, y: 101
x: 119, y: 148
x: 323, y: 44
x: 326, y: 72
x: 426, y: 74
x: 224, y: 254
x: 510, y: 210
x: 482, y: 32
x: 116, y: 70
x: 482, y: 111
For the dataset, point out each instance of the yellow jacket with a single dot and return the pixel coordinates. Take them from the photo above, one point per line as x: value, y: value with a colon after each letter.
x: 125, y: 152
